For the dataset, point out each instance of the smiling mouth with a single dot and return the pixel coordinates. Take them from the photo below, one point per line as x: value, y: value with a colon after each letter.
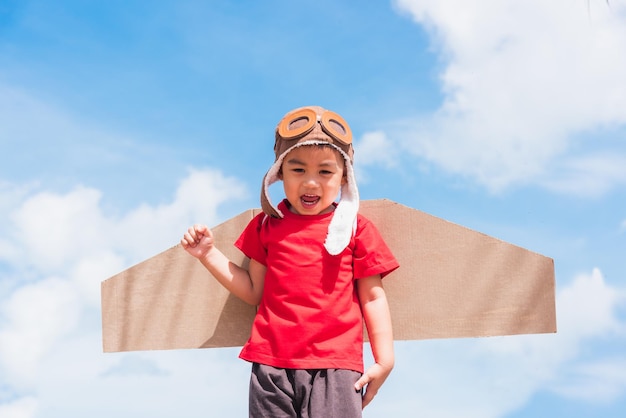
x: 309, y: 200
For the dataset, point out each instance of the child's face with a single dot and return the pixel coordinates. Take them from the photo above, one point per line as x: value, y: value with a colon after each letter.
x: 312, y: 178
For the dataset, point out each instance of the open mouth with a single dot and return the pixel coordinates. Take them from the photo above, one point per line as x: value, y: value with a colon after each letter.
x: 309, y: 200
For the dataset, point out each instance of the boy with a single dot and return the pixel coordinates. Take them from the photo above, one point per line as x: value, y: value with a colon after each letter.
x: 315, y: 271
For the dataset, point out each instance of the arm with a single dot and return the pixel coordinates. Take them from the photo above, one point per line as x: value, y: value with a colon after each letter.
x: 245, y: 284
x: 378, y: 322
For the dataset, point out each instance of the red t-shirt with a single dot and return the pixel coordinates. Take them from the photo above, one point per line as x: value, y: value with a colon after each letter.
x: 309, y: 316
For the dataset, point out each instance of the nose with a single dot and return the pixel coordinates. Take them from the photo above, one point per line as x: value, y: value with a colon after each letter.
x: 311, y: 181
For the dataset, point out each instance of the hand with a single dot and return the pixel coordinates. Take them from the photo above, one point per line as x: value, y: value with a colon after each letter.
x: 198, y: 241
x: 372, y: 380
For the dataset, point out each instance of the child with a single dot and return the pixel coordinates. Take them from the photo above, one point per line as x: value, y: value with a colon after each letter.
x: 315, y: 271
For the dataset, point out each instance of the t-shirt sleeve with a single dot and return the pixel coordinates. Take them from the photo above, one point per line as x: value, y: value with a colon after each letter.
x: 249, y: 242
x: 371, y: 254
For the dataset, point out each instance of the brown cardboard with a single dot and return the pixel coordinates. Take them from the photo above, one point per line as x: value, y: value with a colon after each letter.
x: 452, y: 282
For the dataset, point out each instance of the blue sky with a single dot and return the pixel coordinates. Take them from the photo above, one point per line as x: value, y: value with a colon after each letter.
x: 123, y: 122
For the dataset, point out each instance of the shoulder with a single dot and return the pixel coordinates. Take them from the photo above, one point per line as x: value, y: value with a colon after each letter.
x: 258, y: 220
x: 366, y: 233
x: 363, y: 222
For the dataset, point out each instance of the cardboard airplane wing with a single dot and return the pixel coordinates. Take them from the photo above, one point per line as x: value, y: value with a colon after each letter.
x: 452, y: 282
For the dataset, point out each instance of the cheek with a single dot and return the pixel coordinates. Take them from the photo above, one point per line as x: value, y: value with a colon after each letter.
x: 338, y: 182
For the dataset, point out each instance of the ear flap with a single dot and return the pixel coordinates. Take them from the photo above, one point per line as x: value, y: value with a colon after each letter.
x: 342, y: 225
x: 266, y: 205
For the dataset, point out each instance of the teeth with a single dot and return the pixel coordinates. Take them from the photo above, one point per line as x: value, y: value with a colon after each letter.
x: 307, y: 198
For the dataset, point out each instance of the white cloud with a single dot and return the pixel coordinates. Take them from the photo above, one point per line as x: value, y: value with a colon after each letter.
x: 133, y: 364
x: 147, y: 230
x: 85, y: 273
x: 600, y: 381
x: 587, y: 307
x: 51, y: 354
x: 590, y: 175
x: 160, y: 384
x: 54, y: 229
x: 522, y: 81
x: 491, y: 377
x: 36, y: 316
x: 589, y: 310
x: 10, y: 197
x: 69, y: 245
x: 375, y: 148
x: 24, y: 407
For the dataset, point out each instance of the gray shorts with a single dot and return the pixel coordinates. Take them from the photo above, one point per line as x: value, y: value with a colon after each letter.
x: 298, y: 393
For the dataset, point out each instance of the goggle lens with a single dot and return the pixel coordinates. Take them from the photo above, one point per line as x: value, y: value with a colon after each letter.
x: 335, y: 126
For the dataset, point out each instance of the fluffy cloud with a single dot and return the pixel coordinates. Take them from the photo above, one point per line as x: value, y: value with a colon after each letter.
x: 591, y: 175
x: 52, y: 230
x: 36, y: 316
x: 51, y: 355
x: 519, y: 108
x: 148, y: 230
x: 374, y: 149
x: 56, y: 252
x: 588, y: 307
x: 599, y: 381
x: 491, y: 377
x: 24, y: 407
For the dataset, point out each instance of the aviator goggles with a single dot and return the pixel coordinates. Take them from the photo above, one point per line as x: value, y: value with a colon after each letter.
x: 301, y: 122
